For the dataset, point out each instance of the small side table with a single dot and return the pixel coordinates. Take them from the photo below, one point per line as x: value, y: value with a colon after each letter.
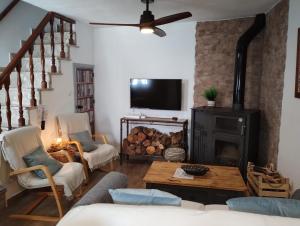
x: 54, y: 151
x: 3, y: 202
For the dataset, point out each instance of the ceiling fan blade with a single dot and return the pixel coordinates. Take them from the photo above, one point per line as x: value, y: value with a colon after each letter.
x: 171, y: 18
x: 159, y: 32
x: 113, y: 24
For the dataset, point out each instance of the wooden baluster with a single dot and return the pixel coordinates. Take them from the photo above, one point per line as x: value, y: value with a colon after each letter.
x: 31, y: 66
x: 53, y: 67
x: 20, y: 95
x: 42, y: 50
x: 0, y: 114
x: 8, y: 111
x: 71, y: 40
x: 62, y: 40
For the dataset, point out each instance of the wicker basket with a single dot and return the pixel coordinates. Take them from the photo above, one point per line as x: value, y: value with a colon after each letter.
x: 174, y: 154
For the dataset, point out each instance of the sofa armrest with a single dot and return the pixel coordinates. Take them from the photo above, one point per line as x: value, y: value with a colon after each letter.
x: 99, y: 193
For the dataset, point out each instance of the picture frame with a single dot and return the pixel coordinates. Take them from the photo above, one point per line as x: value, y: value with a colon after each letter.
x: 297, y: 80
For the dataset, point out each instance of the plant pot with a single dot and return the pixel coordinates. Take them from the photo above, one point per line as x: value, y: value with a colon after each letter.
x: 211, y: 103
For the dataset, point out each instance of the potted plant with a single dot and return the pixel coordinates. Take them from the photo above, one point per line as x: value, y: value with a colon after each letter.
x: 210, y: 95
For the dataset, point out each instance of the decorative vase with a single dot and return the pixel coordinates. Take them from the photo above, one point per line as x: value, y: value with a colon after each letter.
x: 211, y: 103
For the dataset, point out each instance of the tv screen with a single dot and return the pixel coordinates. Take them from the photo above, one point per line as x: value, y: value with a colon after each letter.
x: 162, y: 94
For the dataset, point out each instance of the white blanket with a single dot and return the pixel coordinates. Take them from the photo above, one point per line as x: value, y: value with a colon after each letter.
x: 122, y: 215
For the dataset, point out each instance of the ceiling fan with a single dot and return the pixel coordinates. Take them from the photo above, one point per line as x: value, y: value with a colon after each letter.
x: 148, y: 24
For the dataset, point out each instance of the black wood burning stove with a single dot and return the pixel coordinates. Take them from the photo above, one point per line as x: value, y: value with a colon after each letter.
x: 229, y: 136
x: 223, y: 136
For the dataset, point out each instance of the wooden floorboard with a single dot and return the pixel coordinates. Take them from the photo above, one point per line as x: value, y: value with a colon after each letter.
x: 135, y: 171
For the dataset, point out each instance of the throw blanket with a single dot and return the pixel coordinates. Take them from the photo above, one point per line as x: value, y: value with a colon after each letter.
x: 123, y: 215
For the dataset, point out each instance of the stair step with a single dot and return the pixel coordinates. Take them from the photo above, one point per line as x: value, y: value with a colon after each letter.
x: 25, y: 78
x: 14, y: 116
x: 13, y: 93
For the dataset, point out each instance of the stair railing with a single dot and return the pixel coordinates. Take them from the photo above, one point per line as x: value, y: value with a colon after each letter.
x: 16, y: 63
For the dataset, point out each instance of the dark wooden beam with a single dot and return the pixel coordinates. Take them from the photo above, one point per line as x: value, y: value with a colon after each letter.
x: 8, y: 9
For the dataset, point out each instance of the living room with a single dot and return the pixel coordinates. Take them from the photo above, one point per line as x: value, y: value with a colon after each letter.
x: 211, y: 55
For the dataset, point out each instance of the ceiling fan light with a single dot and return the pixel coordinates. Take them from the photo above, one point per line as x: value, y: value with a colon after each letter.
x: 147, y: 30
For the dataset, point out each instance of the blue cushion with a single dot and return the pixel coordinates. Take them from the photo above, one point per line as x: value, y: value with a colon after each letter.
x: 85, y: 139
x: 144, y: 197
x: 266, y: 206
x: 39, y: 157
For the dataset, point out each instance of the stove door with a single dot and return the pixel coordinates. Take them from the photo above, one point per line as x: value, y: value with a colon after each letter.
x: 228, y: 150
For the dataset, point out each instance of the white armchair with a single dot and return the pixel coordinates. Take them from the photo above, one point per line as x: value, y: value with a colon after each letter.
x: 79, y: 122
x: 22, y: 141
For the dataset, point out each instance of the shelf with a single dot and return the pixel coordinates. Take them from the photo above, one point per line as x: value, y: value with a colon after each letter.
x: 156, y: 120
x: 85, y: 91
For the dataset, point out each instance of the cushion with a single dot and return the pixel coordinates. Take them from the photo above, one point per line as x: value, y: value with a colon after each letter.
x: 85, y: 139
x: 266, y: 206
x: 39, y: 157
x: 144, y: 197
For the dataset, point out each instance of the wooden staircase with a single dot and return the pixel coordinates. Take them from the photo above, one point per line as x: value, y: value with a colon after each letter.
x: 31, y: 69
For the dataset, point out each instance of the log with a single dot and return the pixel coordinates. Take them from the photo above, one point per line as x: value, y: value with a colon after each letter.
x: 131, y: 149
x: 141, y: 137
x: 158, y: 152
x: 135, y: 139
x: 138, y: 150
x: 130, y: 138
x: 148, y: 131
x: 147, y: 143
x: 155, y: 143
x: 150, y: 150
x: 136, y: 130
x: 142, y: 140
x: 161, y: 147
x: 176, y: 138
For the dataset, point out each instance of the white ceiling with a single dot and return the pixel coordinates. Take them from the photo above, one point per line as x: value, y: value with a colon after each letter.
x: 129, y: 11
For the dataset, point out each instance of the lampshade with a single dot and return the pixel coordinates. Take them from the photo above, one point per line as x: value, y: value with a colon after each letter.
x: 147, y: 30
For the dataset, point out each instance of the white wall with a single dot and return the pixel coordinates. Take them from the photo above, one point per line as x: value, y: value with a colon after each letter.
x: 124, y: 53
x: 289, y: 145
x: 16, y: 26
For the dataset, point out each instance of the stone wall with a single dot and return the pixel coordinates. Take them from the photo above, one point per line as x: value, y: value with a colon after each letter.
x: 215, y: 59
x: 274, y: 56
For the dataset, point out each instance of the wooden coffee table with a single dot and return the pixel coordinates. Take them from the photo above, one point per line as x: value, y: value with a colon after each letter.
x: 216, y: 187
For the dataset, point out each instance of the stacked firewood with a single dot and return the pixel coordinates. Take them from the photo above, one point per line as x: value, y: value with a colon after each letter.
x: 149, y: 141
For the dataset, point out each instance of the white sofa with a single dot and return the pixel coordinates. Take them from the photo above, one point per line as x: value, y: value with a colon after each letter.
x: 124, y: 215
x: 96, y: 209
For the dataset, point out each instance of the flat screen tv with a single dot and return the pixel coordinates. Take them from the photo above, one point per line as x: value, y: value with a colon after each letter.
x: 162, y: 94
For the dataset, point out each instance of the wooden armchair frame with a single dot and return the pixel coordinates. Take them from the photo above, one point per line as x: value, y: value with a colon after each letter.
x: 43, y: 195
x: 56, y: 193
x: 80, y: 150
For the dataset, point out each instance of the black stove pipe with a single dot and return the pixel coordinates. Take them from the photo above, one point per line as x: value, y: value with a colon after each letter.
x: 241, y: 61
